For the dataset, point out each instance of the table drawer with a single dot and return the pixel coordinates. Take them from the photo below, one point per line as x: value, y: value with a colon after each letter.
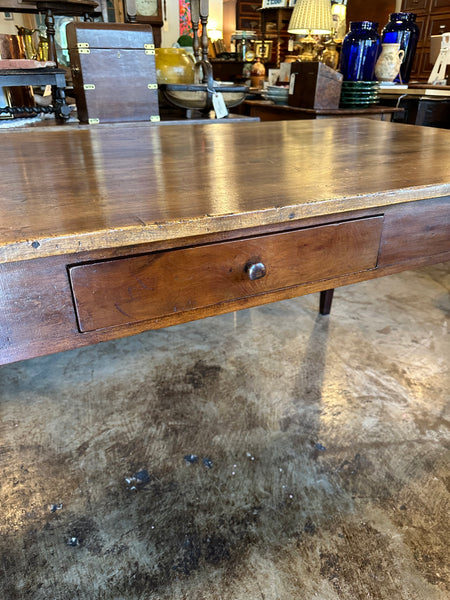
x: 144, y: 287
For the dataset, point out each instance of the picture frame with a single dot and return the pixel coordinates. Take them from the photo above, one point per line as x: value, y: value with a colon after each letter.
x: 262, y: 49
x: 8, y: 16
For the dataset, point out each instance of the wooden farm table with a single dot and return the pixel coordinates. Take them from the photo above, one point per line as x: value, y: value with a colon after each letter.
x: 106, y: 232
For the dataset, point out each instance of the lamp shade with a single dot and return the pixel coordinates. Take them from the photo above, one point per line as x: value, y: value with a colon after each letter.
x: 311, y: 16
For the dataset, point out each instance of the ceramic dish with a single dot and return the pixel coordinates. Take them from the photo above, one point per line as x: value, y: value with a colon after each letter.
x: 276, y: 88
x: 276, y: 99
x: 196, y: 96
x: 361, y: 84
x: 357, y: 98
x: 365, y: 104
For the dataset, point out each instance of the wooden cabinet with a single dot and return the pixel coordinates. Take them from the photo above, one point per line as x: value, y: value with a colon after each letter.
x: 268, y: 23
x: 414, y: 5
x: 248, y: 17
x: 378, y: 11
x: 433, y: 18
x: 274, y: 26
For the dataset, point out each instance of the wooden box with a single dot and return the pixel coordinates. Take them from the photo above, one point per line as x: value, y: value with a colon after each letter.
x: 113, y: 72
x: 314, y: 85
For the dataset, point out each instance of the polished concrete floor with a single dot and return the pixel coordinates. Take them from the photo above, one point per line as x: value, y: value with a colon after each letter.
x: 270, y: 454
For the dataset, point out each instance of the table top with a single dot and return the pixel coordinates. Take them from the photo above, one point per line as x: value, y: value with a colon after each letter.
x: 415, y: 89
x: 66, y: 191
x: 370, y: 110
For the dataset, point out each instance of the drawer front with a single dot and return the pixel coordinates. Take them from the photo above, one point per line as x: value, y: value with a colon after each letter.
x: 415, y: 230
x: 139, y: 288
x: 412, y: 5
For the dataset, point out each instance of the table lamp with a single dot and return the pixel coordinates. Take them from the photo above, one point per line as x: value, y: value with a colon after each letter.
x: 310, y: 17
x: 339, y: 14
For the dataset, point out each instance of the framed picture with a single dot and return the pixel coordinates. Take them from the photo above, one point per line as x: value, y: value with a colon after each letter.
x: 8, y: 16
x: 263, y: 49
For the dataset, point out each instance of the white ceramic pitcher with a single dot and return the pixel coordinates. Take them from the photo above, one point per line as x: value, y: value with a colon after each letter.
x: 389, y: 62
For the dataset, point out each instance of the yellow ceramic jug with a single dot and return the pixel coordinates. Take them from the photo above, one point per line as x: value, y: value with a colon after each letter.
x: 174, y: 65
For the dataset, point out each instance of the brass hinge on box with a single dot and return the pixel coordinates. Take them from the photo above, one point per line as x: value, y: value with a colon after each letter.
x: 150, y: 52
x: 149, y: 46
x: 155, y: 119
x: 89, y: 86
x: 152, y: 86
x: 94, y: 121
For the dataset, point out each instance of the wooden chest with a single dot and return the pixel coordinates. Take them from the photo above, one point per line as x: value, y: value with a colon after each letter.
x: 113, y: 72
x: 314, y: 85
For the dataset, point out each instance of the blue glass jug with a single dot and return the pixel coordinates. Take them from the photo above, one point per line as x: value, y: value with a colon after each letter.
x: 360, y: 49
x: 402, y: 30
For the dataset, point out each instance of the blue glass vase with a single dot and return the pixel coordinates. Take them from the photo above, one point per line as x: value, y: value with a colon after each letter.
x: 360, y: 49
x: 402, y: 30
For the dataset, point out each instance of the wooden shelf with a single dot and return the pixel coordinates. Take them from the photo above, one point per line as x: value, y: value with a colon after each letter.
x: 274, y: 26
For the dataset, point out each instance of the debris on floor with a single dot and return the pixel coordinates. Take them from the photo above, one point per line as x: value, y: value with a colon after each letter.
x: 138, y: 480
x: 191, y: 458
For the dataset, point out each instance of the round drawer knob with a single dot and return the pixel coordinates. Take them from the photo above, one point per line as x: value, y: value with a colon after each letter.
x: 256, y: 270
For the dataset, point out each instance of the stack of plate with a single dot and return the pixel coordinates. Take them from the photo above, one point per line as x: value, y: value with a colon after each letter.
x: 359, y: 93
x: 277, y: 94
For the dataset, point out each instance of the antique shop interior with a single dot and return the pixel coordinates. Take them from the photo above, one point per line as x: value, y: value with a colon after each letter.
x: 295, y: 449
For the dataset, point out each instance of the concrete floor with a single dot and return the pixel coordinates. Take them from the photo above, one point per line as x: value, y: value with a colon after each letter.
x: 321, y: 465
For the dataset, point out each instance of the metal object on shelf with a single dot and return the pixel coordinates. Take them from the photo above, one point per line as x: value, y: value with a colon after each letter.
x: 200, y: 95
x: 243, y: 39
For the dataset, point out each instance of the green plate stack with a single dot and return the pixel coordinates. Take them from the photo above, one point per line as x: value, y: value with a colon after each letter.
x: 359, y: 94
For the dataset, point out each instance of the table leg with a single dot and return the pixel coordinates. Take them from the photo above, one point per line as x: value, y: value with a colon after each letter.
x: 62, y: 111
x: 326, y: 297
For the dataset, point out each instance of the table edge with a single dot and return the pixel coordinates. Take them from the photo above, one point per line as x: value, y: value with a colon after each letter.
x: 89, y: 241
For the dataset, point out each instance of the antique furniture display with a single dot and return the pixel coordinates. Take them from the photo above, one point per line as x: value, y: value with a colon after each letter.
x: 52, y: 8
x: 433, y: 18
x: 148, y: 226
x: 50, y: 76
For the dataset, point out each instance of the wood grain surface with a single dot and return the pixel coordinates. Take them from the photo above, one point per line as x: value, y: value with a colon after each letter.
x: 69, y: 191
